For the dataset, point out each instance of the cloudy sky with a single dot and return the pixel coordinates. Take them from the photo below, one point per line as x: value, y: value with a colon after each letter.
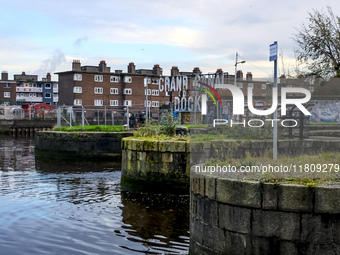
x: 45, y: 36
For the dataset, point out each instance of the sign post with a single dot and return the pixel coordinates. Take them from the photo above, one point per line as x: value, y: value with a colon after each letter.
x: 273, y: 57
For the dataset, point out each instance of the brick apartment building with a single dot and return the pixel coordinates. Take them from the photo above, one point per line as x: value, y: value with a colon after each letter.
x: 98, y: 86
x: 32, y: 91
x: 7, y: 90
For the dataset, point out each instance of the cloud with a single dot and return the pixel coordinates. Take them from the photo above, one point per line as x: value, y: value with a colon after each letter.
x: 80, y: 41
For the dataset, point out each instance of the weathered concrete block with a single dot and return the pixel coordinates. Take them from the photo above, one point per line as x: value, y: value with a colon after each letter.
x: 295, y: 198
x: 234, y: 218
x: 287, y: 248
x: 283, y: 225
x: 237, y: 192
x: 214, y: 238
x: 150, y: 145
x: 196, y: 230
x: 207, y: 211
x: 327, y: 199
x: 269, y: 196
x: 210, y: 187
x: 316, y: 228
x: 235, y: 244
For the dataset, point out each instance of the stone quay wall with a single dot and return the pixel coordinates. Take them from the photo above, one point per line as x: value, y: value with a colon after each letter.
x: 230, y: 216
x: 155, y: 166
x: 201, y: 152
x: 80, y: 144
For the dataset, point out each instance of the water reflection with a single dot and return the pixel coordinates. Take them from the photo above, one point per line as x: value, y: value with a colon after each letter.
x: 76, y: 207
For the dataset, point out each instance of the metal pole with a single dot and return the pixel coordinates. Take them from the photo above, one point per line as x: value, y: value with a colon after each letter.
x: 127, y: 117
x: 70, y: 116
x: 275, y: 116
x: 113, y: 118
x: 58, y: 117
x: 236, y: 68
x: 146, y: 98
x: 105, y: 116
x: 82, y: 118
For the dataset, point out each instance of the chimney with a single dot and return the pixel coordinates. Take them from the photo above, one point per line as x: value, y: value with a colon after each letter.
x: 23, y: 73
x: 283, y: 80
x: 239, y: 75
x: 76, y: 65
x: 249, y: 76
x: 48, y: 77
x: 156, y: 70
x: 219, y: 71
x: 102, y: 66
x: 174, y: 71
x: 131, y: 68
x: 4, y: 76
x: 196, y: 70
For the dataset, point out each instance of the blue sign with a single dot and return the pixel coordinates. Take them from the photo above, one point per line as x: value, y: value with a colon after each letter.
x: 273, y: 52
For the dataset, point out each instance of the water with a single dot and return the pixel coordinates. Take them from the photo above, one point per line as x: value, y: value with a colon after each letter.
x: 55, y: 207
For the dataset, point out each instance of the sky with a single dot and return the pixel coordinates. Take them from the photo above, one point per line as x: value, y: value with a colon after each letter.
x: 46, y: 36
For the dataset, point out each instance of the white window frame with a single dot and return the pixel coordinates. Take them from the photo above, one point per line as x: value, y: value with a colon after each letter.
x: 77, y: 77
x: 155, y: 92
x: 98, y: 90
x: 240, y: 85
x: 128, y: 103
x: 155, y: 81
x: 77, y: 102
x: 149, y: 103
x: 149, y: 92
x: 127, y: 91
x: 114, y: 91
x: 98, y: 102
x: 114, y: 79
x: 128, y: 79
x: 155, y: 104
x: 47, y: 96
x: 311, y: 88
x: 48, y: 86
x: 114, y: 103
x: 250, y: 85
x: 7, y: 94
x: 98, y: 78
x: 78, y: 90
x: 264, y: 86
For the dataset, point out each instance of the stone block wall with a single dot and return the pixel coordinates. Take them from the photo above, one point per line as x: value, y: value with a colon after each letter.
x: 79, y: 144
x: 155, y: 166
x: 252, y: 217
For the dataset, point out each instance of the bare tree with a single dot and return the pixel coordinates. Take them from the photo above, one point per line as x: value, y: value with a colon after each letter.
x: 319, y: 44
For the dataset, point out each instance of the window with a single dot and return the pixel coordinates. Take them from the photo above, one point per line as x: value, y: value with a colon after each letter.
x: 311, y: 88
x: 127, y: 103
x: 114, y: 79
x: 264, y: 86
x: 127, y: 79
x: 77, y: 102
x: 7, y: 94
x: 127, y: 91
x: 113, y: 102
x: 149, y: 92
x: 113, y: 91
x: 7, y: 85
x: 155, y: 103
x: 149, y: 103
x: 98, y: 102
x: 155, y: 81
x: 47, y: 85
x: 155, y: 92
x: 98, y: 78
x: 98, y: 90
x: 77, y: 77
x: 47, y: 95
x: 149, y: 80
x: 250, y: 85
x: 77, y: 90
x: 240, y: 85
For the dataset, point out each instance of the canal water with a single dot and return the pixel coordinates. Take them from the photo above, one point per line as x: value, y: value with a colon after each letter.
x: 77, y: 207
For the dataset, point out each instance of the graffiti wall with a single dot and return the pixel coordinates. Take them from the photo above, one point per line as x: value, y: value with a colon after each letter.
x: 324, y: 110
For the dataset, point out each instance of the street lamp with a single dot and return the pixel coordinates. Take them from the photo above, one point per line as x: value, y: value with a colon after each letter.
x: 236, y: 62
